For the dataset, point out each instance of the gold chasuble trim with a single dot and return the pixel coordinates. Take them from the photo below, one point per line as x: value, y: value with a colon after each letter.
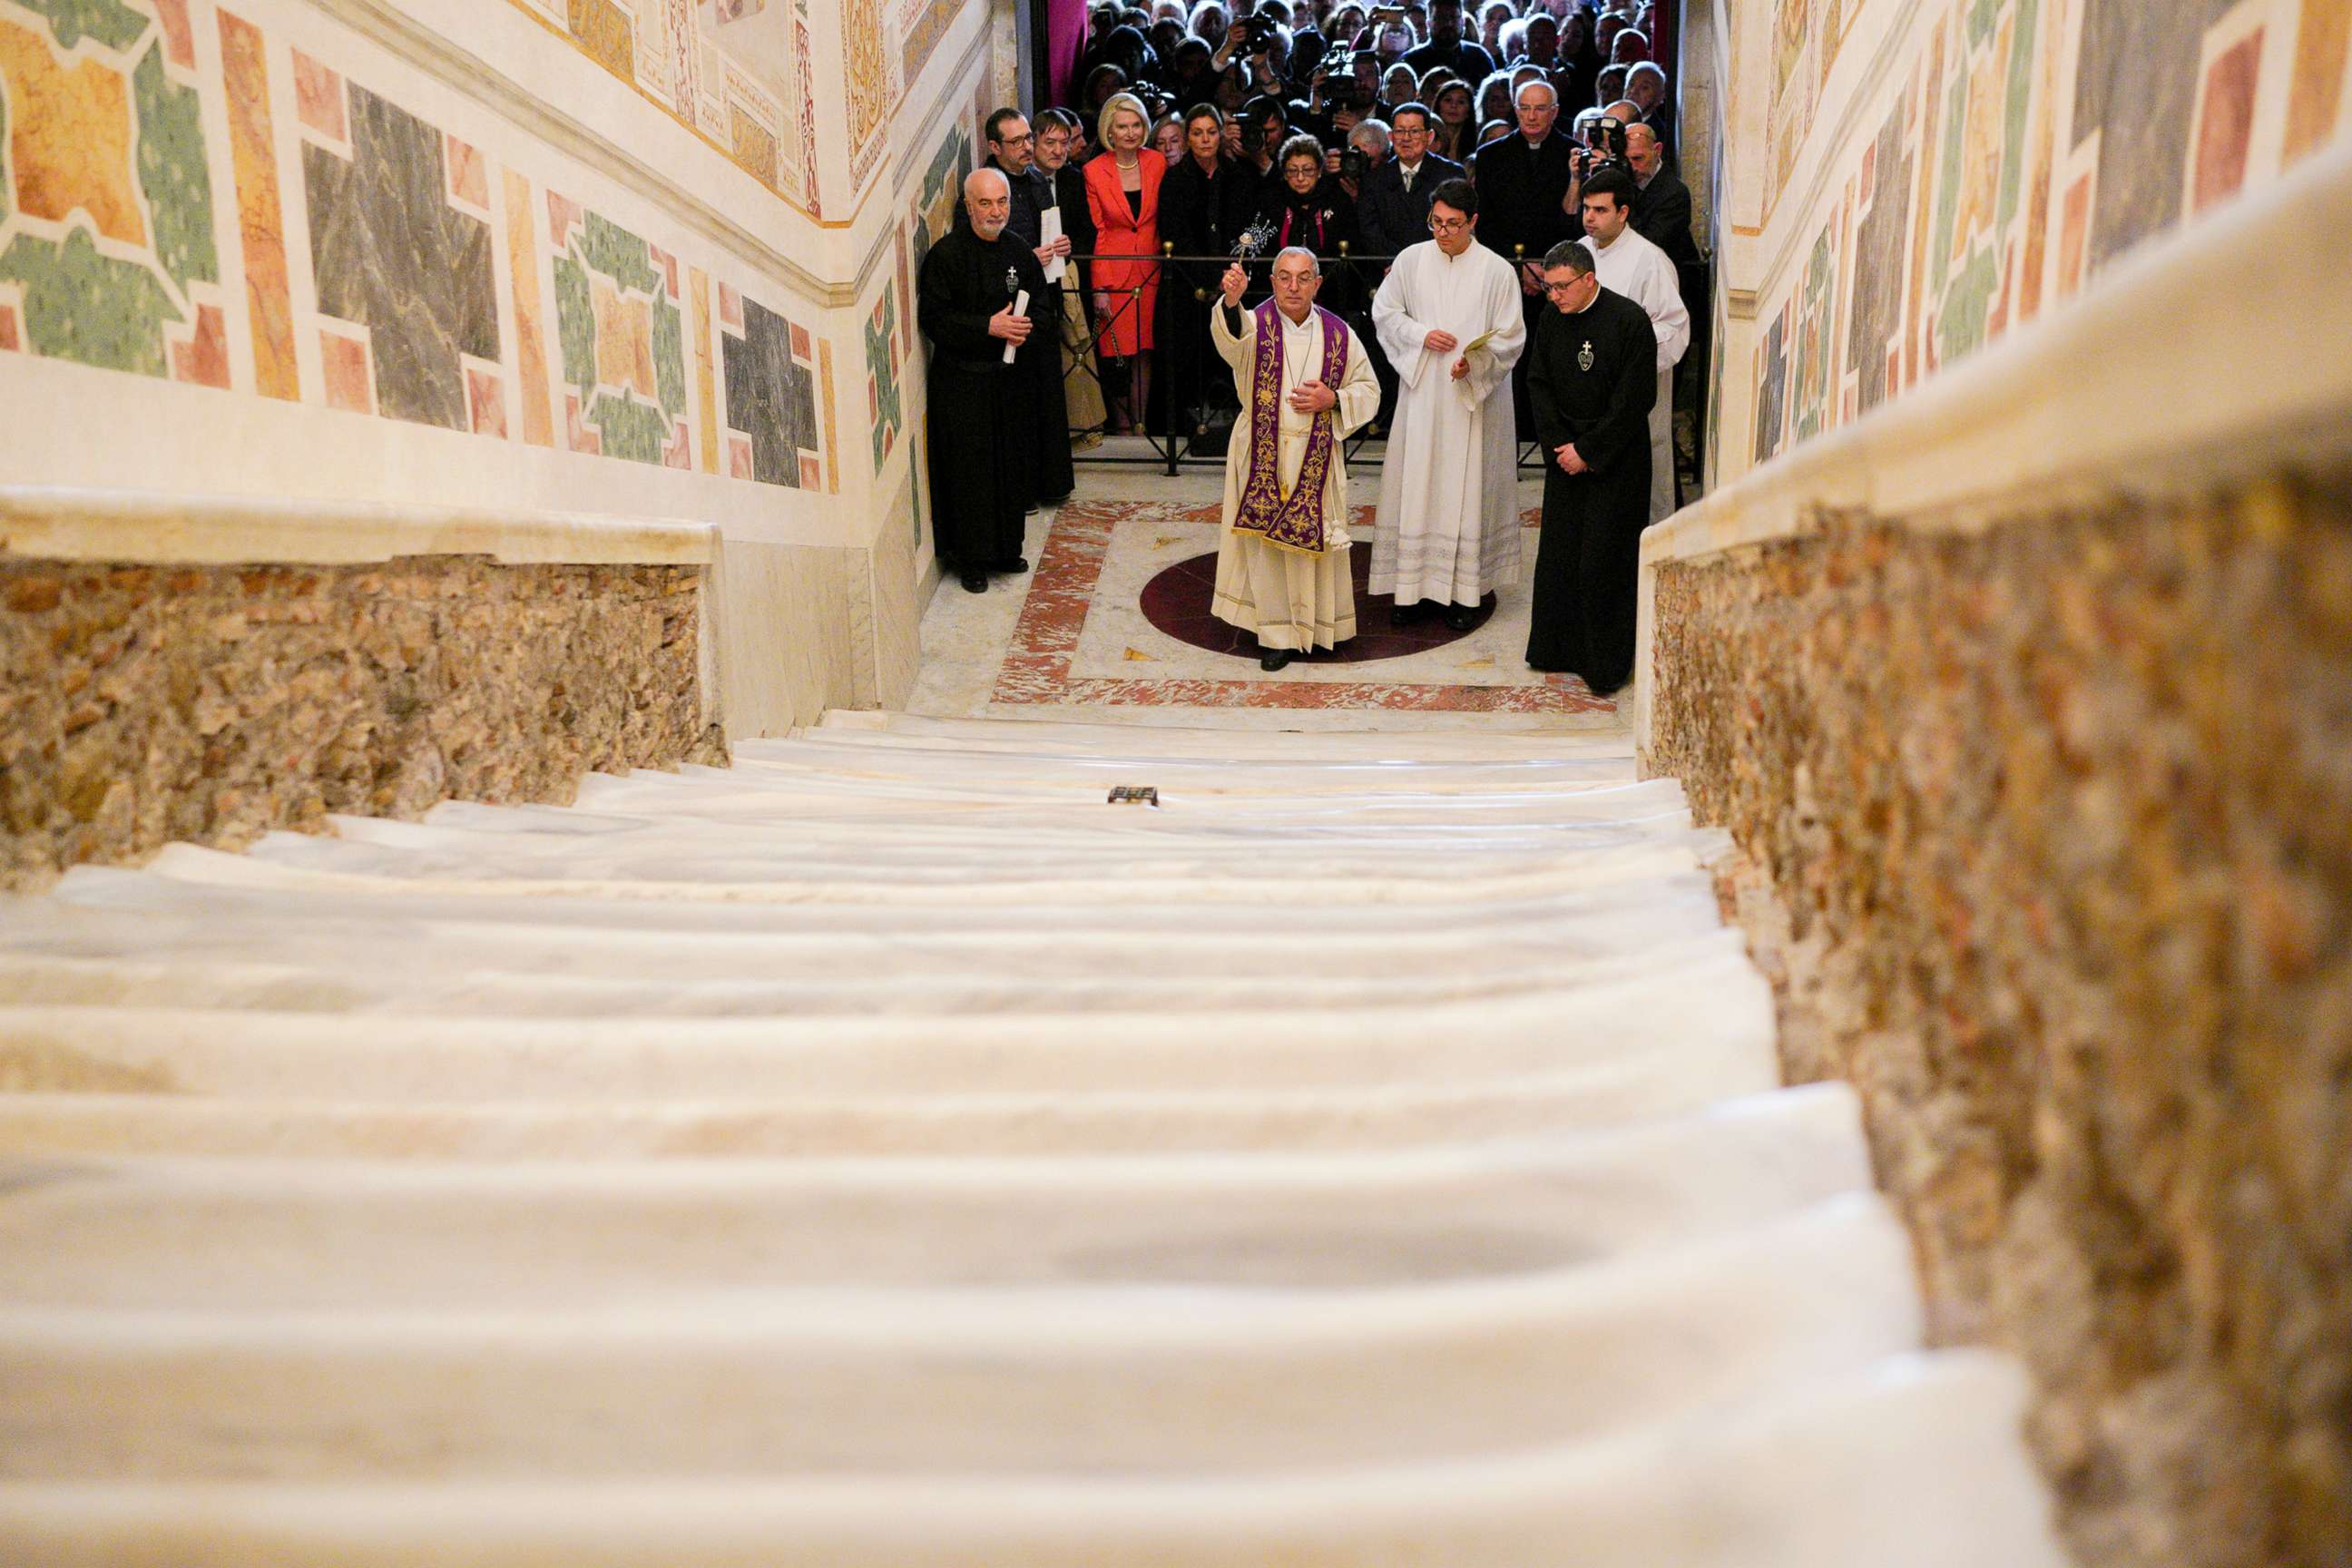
x: 1293, y: 522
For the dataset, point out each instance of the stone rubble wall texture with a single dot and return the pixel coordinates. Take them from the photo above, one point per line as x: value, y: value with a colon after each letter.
x: 145, y: 705
x: 2047, y: 832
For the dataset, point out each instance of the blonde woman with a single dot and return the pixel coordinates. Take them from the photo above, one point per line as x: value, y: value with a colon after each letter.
x: 1123, y: 197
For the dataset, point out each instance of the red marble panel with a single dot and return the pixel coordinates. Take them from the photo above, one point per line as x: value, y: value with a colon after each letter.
x: 486, y: 400
x: 204, y: 358
x: 2227, y: 128
x: 345, y: 362
x: 469, y: 174
x: 318, y: 99
x: 179, y: 39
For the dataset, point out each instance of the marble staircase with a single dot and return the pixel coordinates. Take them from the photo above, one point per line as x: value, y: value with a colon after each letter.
x: 886, y: 1153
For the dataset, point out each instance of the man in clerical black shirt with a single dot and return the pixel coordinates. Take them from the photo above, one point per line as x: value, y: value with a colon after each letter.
x: 1446, y: 48
x: 982, y: 421
x: 1523, y: 183
x: 1593, y: 378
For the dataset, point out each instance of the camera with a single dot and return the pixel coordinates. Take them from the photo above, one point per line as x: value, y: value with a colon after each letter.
x: 1253, y: 136
x: 1353, y: 165
x: 1606, y: 136
x: 1259, y: 33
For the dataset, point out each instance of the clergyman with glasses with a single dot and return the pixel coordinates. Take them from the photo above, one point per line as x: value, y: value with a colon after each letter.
x: 1449, y: 317
x: 1592, y: 378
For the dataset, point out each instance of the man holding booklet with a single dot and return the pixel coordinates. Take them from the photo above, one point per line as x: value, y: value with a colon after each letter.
x: 1449, y: 316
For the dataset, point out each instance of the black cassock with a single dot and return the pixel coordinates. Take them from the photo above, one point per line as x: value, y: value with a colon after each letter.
x: 1592, y: 378
x: 984, y: 439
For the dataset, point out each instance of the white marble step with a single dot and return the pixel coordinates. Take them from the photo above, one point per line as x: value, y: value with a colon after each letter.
x: 323, y: 866
x: 383, y: 979
x: 1180, y: 1380
x: 1255, y: 776
x: 249, y: 1234
x: 283, y: 1054
x: 611, y: 922
x: 1662, y: 1078
x: 906, y: 730
x: 1910, y: 1464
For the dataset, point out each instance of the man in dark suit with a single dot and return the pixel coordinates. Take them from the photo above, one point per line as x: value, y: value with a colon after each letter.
x: 1523, y: 183
x: 1447, y: 47
x: 1662, y: 203
x: 1393, y: 210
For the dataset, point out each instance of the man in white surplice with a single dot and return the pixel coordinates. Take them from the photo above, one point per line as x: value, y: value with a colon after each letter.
x: 1305, y: 382
x: 1450, y: 318
x: 1631, y: 265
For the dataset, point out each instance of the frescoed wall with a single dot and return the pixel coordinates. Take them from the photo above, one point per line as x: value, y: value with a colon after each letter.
x: 2014, y: 150
x: 593, y: 258
x: 737, y: 72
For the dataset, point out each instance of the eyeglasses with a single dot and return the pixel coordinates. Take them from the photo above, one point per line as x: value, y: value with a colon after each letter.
x: 1558, y: 289
x: 1448, y: 225
x: 1020, y: 140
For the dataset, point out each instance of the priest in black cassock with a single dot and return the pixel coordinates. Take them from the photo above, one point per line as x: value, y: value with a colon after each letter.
x: 1524, y: 211
x: 983, y: 411
x: 1591, y: 379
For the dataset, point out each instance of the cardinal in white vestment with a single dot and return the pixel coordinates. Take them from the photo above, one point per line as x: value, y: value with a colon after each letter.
x: 1449, y: 316
x: 1628, y: 263
x: 1305, y: 382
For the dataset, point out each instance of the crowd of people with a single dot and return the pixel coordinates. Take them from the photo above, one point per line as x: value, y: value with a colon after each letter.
x: 1474, y: 208
x: 1207, y: 130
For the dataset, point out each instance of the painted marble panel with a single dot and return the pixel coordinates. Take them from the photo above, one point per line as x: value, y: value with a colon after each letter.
x: 2135, y: 89
x: 769, y: 365
x: 940, y: 189
x: 391, y: 252
x: 735, y: 72
x: 873, y: 86
x: 108, y: 255
x: 1874, y: 337
x: 620, y: 331
x: 2033, y: 143
x: 926, y: 24
x: 882, y: 349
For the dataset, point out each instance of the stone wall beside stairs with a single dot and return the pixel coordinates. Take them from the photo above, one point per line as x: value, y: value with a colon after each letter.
x: 141, y: 705
x: 2046, y: 834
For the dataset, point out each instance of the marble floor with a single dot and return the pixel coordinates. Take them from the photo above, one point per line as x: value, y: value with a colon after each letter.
x: 1069, y: 640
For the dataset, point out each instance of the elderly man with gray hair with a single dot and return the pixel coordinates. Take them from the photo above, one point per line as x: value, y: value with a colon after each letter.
x: 1305, y: 382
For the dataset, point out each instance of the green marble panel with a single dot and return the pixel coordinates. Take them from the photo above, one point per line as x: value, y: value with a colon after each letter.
x: 91, y: 309
x: 110, y: 22
x: 173, y: 173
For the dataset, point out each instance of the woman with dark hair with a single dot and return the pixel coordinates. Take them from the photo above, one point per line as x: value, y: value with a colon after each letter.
x: 1103, y: 83
x: 1455, y: 134
x: 1577, y: 71
x: 1197, y: 216
x: 1305, y: 206
x: 1495, y: 97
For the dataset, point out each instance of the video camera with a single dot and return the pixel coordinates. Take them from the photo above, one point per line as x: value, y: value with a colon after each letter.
x: 1353, y: 165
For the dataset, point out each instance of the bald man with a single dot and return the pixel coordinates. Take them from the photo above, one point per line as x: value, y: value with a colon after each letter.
x: 983, y: 426
x: 1662, y: 203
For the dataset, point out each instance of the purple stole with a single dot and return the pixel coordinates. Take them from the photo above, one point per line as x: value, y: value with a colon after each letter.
x: 1294, y: 522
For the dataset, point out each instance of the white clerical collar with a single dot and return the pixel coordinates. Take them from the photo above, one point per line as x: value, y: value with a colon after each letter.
x: 1589, y: 303
x: 1290, y: 326
x: 1599, y: 249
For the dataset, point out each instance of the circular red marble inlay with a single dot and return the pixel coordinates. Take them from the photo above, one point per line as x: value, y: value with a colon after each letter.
x: 1177, y: 602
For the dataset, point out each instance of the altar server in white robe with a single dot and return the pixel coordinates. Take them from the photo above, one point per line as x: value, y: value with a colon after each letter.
x: 1305, y: 382
x: 1448, y: 526
x: 1630, y: 264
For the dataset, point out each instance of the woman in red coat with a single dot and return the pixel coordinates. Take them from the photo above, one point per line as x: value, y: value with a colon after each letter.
x: 1123, y: 194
